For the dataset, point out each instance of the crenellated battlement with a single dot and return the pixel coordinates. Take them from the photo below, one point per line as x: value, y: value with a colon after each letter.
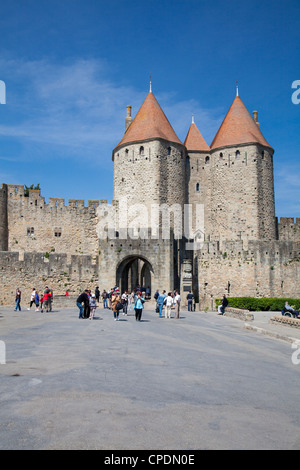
x: 34, y: 198
x: 32, y: 225
x: 261, y: 251
x: 289, y: 229
x: 60, y: 271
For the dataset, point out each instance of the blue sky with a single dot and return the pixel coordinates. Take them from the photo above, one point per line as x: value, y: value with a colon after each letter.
x: 71, y: 67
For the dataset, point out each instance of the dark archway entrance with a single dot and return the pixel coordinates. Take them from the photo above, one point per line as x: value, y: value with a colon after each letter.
x: 133, y: 272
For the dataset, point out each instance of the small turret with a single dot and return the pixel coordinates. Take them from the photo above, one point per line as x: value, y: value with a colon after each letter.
x: 255, y: 118
x: 128, y: 119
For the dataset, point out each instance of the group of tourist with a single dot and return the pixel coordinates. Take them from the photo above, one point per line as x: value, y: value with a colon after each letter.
x: 167, y: 301
x: 41, y: 301
x: 123, y: 302
x: 112, y: 299
x: 117, y: 302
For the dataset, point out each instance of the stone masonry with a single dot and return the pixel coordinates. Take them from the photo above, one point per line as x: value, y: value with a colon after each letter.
x: 244, y: 249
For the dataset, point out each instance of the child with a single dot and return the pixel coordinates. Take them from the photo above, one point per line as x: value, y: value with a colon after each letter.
x: 42, y: 301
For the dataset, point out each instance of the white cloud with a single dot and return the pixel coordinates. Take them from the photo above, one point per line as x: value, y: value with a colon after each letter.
x: 77, y: 108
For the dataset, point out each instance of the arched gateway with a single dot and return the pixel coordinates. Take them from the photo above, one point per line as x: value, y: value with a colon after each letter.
x: 134, y: 271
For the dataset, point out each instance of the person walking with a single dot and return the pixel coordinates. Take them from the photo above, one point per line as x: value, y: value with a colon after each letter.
x: 124, y: 300
x: 32, y: 297
x: 169, y: 303
x: 160, y: 302
x: 177, y: 300
x: 37, y: 301
x: 115, y: 304
x: 93, y: 306
x: 129, y: 299
x: 138, y: 307
x: 104, y: 298
x: 18, y: 300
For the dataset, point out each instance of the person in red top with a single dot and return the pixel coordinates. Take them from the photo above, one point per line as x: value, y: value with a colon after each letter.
x: 47, y: 300
x: 42, y: 301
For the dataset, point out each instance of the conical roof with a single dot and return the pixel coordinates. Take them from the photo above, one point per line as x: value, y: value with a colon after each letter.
x: 238, y: 127
x: 194, y: 140
x: 149, y: 123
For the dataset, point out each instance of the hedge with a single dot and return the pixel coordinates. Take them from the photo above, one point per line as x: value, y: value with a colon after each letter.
x: 262, y: 304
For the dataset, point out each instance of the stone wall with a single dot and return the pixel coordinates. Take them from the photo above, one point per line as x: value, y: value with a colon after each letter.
x: 264, y: 269
x: 61, y: 272
x: 159, y: 253
x: 288, y: 229
x: 35, y: 226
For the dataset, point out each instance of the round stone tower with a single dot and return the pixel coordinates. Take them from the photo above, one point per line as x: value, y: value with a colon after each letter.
x: 241, y: 185
x: 149, y: 162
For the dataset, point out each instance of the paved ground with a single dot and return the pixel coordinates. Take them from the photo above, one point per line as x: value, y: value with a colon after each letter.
x: 201, y: 382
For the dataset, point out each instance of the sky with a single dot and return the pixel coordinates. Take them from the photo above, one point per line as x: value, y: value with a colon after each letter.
x: 71, y: 67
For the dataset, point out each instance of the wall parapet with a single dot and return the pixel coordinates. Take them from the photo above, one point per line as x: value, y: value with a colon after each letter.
x: 59, y: 270
x: 288, y: 228
x: 16, y: 191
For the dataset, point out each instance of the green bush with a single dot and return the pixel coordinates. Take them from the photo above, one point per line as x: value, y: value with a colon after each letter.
x: 263, y: 304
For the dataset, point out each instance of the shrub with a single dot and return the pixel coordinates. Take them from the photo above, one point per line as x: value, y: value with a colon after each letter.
x: 261, y: 304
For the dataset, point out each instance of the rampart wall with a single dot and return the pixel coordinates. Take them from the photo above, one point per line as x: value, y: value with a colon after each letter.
x: 35, y: 226
x: 288, y: 229
x: 264, y: 269
x: 61, y: 272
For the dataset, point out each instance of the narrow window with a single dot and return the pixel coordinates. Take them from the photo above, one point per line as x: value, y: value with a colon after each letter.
x: 237, y: 154
x: 169, y: 150
x: 207, y: 159
x: 221, y: 155
x: 197, y: 187
x: 57, y: 232
x: 141, y: 150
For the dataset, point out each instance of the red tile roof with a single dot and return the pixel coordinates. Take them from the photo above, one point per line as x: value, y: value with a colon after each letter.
x: 194, y: 139
x: 149, y: 123
x: 238, y: 127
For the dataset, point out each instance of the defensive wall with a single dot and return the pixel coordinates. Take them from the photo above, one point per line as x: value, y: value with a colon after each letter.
x: 61, y: 272
x: 289, y: 229
x: 35, y: 226
x: 58, y: 245
x: 264, y: 269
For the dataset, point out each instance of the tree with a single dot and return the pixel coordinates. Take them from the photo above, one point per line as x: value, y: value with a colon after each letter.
x: 26, y: 189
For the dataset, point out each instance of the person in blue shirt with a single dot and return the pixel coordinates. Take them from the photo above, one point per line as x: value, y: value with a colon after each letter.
x: 160, y: 302
x: 138, y: 307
